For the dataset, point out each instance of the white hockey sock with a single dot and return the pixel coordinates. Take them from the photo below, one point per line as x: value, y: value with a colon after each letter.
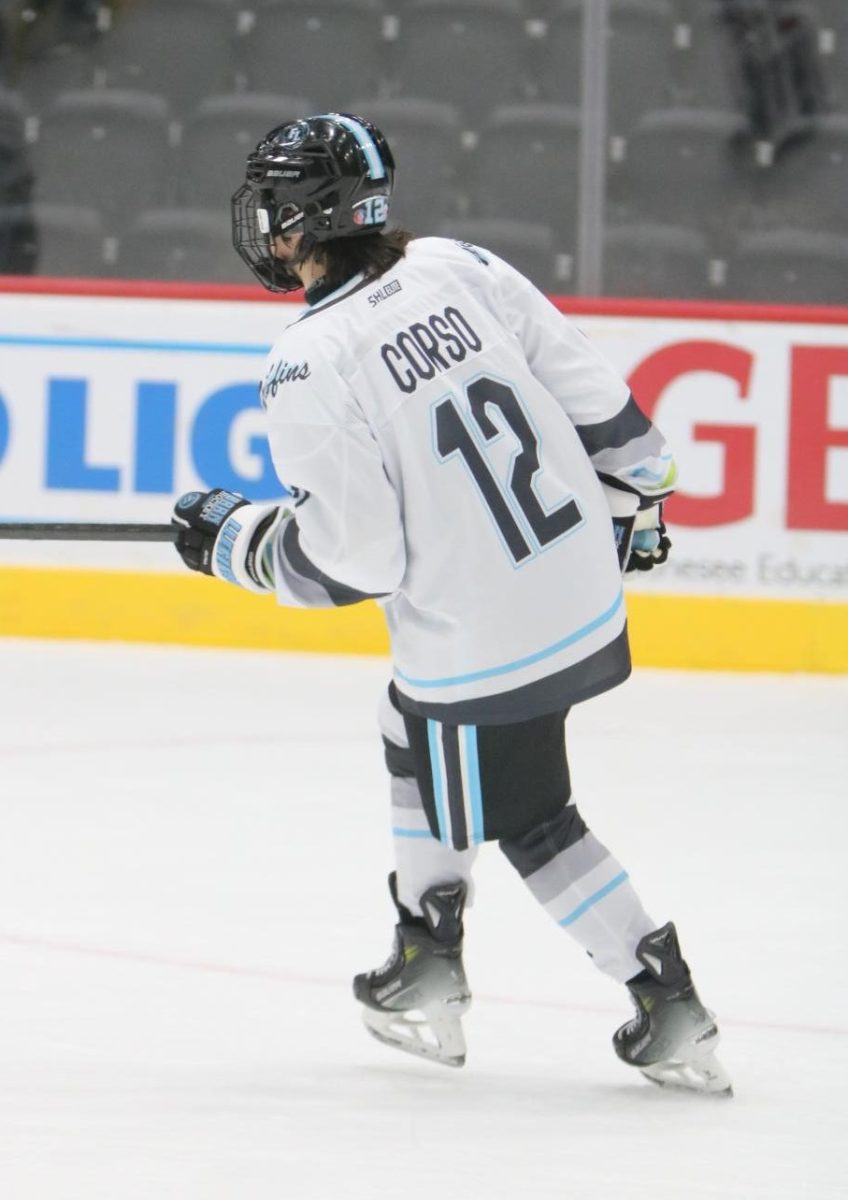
x: 585, y: 889
x: 421, y: 861
x: 588, y: 893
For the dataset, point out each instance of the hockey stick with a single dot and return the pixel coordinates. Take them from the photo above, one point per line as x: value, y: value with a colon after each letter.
x: 86, y: 531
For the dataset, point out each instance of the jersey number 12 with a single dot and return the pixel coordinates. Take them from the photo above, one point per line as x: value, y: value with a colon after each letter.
x: 454, y: 437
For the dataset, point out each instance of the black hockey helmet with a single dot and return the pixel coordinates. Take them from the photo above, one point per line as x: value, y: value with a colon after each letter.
x: 327, y: 176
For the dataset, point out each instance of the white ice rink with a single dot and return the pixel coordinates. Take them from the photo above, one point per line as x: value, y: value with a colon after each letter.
x: 192, y: 868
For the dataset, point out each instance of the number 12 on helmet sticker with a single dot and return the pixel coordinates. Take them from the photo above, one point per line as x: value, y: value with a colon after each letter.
x: 540, y: 527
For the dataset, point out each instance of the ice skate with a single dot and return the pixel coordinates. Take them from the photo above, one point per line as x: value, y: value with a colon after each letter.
x: 673, y: 1038
x: 415, y: 1001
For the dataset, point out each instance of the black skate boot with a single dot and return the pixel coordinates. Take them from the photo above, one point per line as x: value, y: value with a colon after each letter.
x: 673, y: 1038
x: 414, y: 1002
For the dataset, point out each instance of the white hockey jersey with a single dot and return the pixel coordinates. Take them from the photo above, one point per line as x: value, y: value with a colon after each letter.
x: 445, y: 432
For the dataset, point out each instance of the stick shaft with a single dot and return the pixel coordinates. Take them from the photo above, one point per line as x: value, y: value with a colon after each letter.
x: 82, y: 531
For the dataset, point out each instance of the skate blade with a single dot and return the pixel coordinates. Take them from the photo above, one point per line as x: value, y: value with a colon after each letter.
x: 695, y: 1069
x: 437, y: 1038
x: 707, y: 1077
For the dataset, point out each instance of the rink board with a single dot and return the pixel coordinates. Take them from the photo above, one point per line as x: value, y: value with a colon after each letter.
x: 703, y: 632
x: 116, y: 398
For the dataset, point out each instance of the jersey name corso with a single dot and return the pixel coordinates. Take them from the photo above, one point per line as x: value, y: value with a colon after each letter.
x: 448, y: 431
x: 438, y: 343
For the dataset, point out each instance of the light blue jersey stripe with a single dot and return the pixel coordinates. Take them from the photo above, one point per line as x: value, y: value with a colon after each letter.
x: 590, y: 901
x: 411, y: 833
x: 433, y: 728
x: 517, y: 665
x: 372, y: 155
x: 475, y: 799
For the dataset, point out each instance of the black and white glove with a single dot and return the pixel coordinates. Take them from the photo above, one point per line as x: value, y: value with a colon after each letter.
x: 222, y: 534
x: 642, y: 540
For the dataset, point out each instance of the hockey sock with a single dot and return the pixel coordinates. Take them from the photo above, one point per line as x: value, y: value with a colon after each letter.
x: 422, y: 861
x: 585, y: 889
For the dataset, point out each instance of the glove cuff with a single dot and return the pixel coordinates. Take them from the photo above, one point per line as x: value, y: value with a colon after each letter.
x: 235, y: 557
x: 262, y: 548
x: 648, y: 518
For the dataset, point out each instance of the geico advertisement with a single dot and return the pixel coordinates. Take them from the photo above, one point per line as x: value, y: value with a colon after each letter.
x: 757, y: 415
x: 111, y: 407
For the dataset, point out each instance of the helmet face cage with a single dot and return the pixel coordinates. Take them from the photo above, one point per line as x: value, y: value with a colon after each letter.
x: 325, y: 177
x: 254, y: 245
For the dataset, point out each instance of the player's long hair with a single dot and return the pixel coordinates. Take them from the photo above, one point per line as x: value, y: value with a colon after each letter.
x: 373, y: 253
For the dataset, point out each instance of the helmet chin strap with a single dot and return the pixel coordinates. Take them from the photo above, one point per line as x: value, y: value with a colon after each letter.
x: 285, y: 270
x: 305, y: 250
x: 317, y: 291
x: 315, y: 287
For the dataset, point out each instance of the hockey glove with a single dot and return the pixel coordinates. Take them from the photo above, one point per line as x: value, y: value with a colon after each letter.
x: 641, y: 540
x: 650, y: 543
x: 222, y: 534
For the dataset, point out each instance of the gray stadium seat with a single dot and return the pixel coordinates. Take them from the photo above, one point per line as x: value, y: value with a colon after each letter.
x: 527, y: 167
x: 180, y: 245
x: 425, y: 139
x: 656, y: 261
x: 217, y: 138
x: 687, y: 167
x: 790, y: 266
x: 530, y: 248
x: 833, y: 15
x: 332, y: 47
x: 640, y: 46
x: 470, y: 54
x: 104, y: 149
x: 833, y: 45
x: 180, y: 49
x: 807, y: 185
x: 52, y: 239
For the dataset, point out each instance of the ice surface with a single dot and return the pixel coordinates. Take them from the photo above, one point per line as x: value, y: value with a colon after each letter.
x: 193, y: 851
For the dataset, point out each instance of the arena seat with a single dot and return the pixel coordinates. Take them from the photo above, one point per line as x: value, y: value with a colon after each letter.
x: 468, y: 53
x: 640, y: 47
x: 180, y: 244
x: 833, y: 15
x: 657, y: 261
x: 807, y: 184
x: 104, y: 149
x: 527, y: 167
x: 687, y: 167
x: 182, y: 51
x: 790, y: 266
x: 51, y: 239
x: 334, y: 48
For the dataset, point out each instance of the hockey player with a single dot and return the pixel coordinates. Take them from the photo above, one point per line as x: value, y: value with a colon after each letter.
x: 458, y: 451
